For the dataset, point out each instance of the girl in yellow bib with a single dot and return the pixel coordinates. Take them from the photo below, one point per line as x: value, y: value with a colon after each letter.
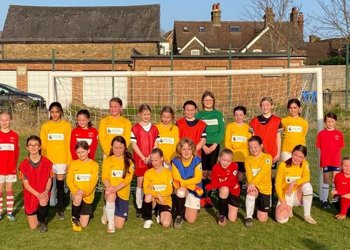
x: 117, y: 173
x: 81, y: 179
x: 237, y: 135
x: 258, y: 171
x: 157, y: 187
x: 168, y: 134
x: 294, y: 129
x: 55, y: 137
x: 293, y: 186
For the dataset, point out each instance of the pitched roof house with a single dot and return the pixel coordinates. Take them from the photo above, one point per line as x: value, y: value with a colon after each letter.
x: 93, y: 28
x: 216, y: 36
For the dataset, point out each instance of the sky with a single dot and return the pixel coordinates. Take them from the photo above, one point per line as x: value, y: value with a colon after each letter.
x: 170, y: 10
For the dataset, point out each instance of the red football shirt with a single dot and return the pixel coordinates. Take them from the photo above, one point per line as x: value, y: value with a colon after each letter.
x: 90, y: 135
x: 221, y: 177
x: 9, y: 153
x: 37, y: 178
x: 145, y: 141
x: 330, y: 143
x: 342, y: 183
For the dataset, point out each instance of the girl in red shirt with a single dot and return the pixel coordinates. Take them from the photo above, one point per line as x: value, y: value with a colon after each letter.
x: 342, y: 188
x: 9, y: 153
x: 224, y: 178
x: 36, y: 174
x: 144, y: 137
x: 84, y: 132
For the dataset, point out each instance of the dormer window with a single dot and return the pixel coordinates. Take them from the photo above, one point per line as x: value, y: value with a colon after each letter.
x: 185, y: 29
x: 235, y: 28
x: 201, y: 29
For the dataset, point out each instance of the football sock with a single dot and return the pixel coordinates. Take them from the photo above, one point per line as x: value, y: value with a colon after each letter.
x: 307, y: 198
x: 222, y: 206
x: 76, y: 212
x: 138, y: 197
x: 42, y: 213
x: 9, y: 201
x: 344, y: 205
x: 204, y: 183
x: 147, y: 210
x: 53, y: 195
x: 250, y: 205
x: 180, y: 206
x: 325, y: 192
x: 110, y: 207
x: 60, y: 195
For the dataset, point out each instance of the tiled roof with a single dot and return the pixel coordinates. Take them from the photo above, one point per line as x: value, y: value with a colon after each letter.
x: 82, y: 24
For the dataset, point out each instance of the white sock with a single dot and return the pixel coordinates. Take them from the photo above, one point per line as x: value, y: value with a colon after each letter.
x: 325, y: 192
x: 307, y: 198
x: 249, y: 206
x: 139, y: 196
x: 53, y: 196
x: 110, y: 207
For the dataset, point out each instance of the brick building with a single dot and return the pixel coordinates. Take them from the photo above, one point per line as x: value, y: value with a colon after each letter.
x: 89, y: 36
x: 216, y: 36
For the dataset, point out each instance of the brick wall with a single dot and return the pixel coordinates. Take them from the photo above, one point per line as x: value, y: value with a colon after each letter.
x: 159, y: 91
x: 76, y: 51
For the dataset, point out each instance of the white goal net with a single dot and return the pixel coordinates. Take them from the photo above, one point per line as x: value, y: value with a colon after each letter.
x: 93, y: 90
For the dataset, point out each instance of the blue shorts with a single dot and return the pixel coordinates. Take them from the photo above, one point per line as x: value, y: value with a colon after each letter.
x: 330, y: 169
x: 121, y: 208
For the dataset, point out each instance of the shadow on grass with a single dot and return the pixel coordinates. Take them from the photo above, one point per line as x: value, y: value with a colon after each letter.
x: 312, y: 244
x: 18, y: 203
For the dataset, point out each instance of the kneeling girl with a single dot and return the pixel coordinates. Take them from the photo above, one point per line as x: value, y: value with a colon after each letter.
x: 81, y: 179
x: 157, y: 187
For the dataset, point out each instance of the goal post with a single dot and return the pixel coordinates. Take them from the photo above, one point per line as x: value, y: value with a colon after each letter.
x: 159, y: 88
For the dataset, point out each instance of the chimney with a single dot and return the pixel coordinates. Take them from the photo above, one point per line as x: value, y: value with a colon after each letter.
x: 216, y: 14
x: 301, y: 21
x: 269, y: 17
x: 313, y: 39
x: 294, y: 15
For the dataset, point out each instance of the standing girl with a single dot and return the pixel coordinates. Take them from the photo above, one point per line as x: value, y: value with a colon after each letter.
x: 294, y: 129
x: 224, y: 178
x: 81, y: 179
x: 144, y: 137
x: 113, y: 125
x: 55, y: 138
x: 117, y: 173
x: 236, y: 138
x: 84, y: 132
x: 168, y: 134
x: 269, y: 127
x: 158, y: 187
x: 187, y: 174
x: 191, y: 127
x: 293, y: 186
x: 9, y: 153
x: 215, y: 134
x: 258, y: 171
x: 36, y: 174
x: 330, y: 142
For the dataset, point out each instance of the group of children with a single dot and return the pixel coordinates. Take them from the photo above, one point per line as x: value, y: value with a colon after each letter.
x: 177, y: 165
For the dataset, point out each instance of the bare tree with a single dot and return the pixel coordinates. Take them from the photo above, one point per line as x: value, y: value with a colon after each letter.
x: 255, y: 10
x: 335, y: 19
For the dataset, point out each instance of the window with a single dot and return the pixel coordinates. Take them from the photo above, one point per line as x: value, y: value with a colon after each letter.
x: 201, y: 28
x: 195, y: 52
x: 185, y: 29
x: 235, y: 28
